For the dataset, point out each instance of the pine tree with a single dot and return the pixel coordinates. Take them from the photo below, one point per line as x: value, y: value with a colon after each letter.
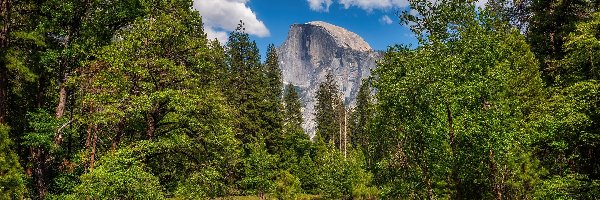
x: 273, y: 109
x: 292, y: 110
x: 360, y: 120
x: 217, y: 58
x: 327, y: 114
x: 550, y: 23
x: 259, y: 171
x: 273, y: 76
x: 246, y: 86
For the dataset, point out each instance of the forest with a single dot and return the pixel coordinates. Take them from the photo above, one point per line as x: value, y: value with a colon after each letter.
x: 128, y: 99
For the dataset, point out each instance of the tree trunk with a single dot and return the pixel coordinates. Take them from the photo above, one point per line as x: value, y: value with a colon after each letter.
x: 41, y: 91
x: 88, y: 139
x: 454, y: 173
x: 345, y: 132
x: 62, y: 101
x: 38, y: 172
x: 93, y: 154
x: 63, y: 75
x: 497, y: 187
x: 428, y: 182
x: 451, y: 129
x: 120, y: 132
x: 150, y: 125
x: 340, y: 135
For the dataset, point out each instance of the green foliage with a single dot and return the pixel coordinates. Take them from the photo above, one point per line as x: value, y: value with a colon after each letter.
x: 292, y: 118
x: 361, y: 119
x: 259, y: 172
x: 43, y: 127
x: 581, y: 49
x: 287, y: 186
x: 358, y: 179
x: 273, y: 75
x: 571, y: 186
x: 327, y: 111
x: 569, y: 120
x: 342, y: 178
x: 273, y: 110
x: 158, y: 83
x: 206, y: 183
x: 119, y: 176
x: 306, y: 171
x: 255, y: 90
x: 170, y: 114
x: 12, y: 180
x: 451, y: 114
x: 550, y: 23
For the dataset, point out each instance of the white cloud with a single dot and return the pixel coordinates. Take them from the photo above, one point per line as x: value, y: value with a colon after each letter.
x: 320, y: 5
x: 370, y: 5
x: 214, y: 34
x: 386, y: 20
x: 222, y: 16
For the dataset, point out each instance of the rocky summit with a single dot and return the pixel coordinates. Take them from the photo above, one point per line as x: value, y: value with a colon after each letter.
x: 313, y: 49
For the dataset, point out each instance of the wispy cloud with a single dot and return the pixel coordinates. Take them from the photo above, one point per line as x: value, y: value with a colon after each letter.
x: 386, y: 20
x: 320, y: 5
x: 370, y: 5
x: 222, y: 16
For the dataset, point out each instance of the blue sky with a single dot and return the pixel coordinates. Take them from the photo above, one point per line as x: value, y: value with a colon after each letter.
x: 268, y: 21
x: 279, y: 15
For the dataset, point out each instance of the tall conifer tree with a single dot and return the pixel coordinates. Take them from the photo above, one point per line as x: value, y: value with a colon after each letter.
x: 245, y: 90
x: 273, y: 107
x: 327, y: 112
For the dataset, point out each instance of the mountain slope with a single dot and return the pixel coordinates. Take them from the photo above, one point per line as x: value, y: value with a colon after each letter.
x: 315, y: 48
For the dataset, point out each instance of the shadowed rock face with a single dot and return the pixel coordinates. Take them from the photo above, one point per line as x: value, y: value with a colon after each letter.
x: 315, y: 48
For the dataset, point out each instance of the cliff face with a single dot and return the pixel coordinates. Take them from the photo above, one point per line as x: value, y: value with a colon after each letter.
x: 315, y: 48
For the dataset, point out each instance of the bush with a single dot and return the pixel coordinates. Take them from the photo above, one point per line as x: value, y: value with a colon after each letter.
x: 287, y: 186
x: 119, y: 176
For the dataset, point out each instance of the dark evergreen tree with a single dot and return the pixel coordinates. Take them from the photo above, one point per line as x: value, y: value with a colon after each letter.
x: 259, y: 172
x: 292, y: 118
x: 218, y: 59
x: 360, y: 121
x: 326, y: 112
x: 273, y: 108
x: 550, y: 23
x: 246, y: 86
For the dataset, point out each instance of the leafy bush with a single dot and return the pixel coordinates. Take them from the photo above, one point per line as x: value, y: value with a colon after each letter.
x: 119, y: 176
x: 287, y: 186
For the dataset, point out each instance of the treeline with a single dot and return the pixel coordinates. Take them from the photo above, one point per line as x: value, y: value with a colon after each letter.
x: 128, y: 99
